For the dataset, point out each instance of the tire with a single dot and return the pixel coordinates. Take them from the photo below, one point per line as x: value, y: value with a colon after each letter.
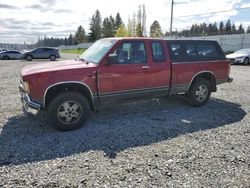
x: 6, y: 57
x: 52, y: 58
x: 199, y: 92
x: 28, y: 57
x: 68, y: 111
x: 246, y: 61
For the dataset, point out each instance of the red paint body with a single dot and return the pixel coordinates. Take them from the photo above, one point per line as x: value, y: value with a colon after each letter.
x: 102, y: 78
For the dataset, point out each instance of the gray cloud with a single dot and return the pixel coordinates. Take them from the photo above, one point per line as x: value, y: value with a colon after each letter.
x: 4, y: 6
x: 48, y: 2
x: 38, y: 7
x: 62, y: 11
x: 47, y: 7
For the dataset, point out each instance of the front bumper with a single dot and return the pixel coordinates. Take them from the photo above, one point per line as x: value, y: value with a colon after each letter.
x: 28, y: 105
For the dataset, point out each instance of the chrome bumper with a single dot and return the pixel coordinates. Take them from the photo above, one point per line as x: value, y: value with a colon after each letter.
x: 28, y: 105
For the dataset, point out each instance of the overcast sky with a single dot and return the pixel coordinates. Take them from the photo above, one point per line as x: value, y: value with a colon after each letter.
x: 24, y: 21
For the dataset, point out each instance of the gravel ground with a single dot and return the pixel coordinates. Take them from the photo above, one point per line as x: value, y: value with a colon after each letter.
x: 153, y: 143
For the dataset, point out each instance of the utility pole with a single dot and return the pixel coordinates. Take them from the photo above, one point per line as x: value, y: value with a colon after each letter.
x: 171, y: 19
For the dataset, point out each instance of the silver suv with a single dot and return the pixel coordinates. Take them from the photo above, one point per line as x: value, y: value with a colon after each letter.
x: 42, y: 53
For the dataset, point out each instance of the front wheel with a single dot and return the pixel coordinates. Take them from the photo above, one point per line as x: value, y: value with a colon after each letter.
x: 200, y: 92
x: 68, y: 111
x: 246, y: 61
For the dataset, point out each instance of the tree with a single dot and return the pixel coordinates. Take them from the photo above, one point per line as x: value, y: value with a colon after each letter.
x: 132, y: 26
x: 121, y: 31
x: 221, y: 27
x: 138, y: 30
x: 112, y: 21
x: 70, y: 40
x: 141, y: 21
x: 248, y: 29
x: 80, y: 36
x: 95, y: 27
x: 107, y: 28
x: 155, y: 29
x: 241, y: 29
x: 228, y: 27
x: 234, y: 30
x: 118, y: 21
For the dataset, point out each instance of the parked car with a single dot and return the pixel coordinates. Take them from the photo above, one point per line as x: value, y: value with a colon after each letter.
x: 42, y: 53
x: 115, y: 69
x: 12, y: 54
x: 2, y: 50
x: 241, y: 56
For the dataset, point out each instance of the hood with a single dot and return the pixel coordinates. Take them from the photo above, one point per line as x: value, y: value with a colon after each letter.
x: 55, y: 66
x: 235, y: 55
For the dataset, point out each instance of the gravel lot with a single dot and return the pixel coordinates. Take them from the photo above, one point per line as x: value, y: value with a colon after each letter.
x: 152, y: 143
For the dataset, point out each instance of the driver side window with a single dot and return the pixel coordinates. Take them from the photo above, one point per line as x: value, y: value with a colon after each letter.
x: 130, y: 53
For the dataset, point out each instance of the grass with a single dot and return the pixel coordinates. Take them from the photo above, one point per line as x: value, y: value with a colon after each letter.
x: 77, y: 51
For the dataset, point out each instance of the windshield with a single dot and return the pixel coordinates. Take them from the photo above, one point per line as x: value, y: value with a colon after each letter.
x: 243, y: 51
x: 96, y: 52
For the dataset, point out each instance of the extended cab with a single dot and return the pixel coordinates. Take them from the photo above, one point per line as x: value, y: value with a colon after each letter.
x: 122, y: 68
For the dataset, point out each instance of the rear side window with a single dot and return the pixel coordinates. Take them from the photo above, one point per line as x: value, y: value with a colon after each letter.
x: 207, y: 50
x: 191, y: 50
x: 158, y: 52
x: 188, y: 51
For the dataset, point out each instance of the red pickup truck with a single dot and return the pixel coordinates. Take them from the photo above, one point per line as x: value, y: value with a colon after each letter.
x: 113, y: 69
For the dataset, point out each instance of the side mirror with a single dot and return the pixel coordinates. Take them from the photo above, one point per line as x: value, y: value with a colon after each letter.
x: 112, y: 59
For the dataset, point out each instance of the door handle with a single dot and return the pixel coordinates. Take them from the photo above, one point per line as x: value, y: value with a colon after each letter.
x: 145, y: 67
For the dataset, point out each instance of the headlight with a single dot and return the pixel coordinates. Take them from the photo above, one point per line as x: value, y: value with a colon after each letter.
x: 26, y: 87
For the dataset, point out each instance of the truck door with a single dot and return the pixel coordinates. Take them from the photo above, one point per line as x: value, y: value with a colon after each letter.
x: 127, y: 75
x: 159, y: 67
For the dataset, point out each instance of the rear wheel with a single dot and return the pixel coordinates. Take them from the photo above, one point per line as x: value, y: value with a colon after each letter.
x: 28, y: 57
x: 200, y: 92
x: 68, y: 111
x: 246, y: 61
x: 52, y: 58
x: 6, y: 57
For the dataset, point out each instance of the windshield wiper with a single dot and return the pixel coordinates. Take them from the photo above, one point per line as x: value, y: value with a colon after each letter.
x: 84, y: 60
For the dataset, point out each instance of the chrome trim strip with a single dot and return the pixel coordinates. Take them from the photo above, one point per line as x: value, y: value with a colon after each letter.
x: 206, y: 71
x: 134, y: 91
x: 66, y: 82
x: 196, y: 62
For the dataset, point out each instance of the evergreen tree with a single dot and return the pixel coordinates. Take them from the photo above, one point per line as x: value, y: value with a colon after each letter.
x: 241, y: 29
x: 215, y: 29
x: 107, y: 28
x: 80, y: 35
x: 234, y: 30
x: 248, y: 29
x: 70, y: 39
x: 118, y: 21
x: 112, y: 21
x: 95, y: 27
x: 155, y: 29
x: 228, y: 27
x: 221, y: 27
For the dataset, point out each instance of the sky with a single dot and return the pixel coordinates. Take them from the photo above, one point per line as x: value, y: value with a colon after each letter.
x: 25, y: 21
